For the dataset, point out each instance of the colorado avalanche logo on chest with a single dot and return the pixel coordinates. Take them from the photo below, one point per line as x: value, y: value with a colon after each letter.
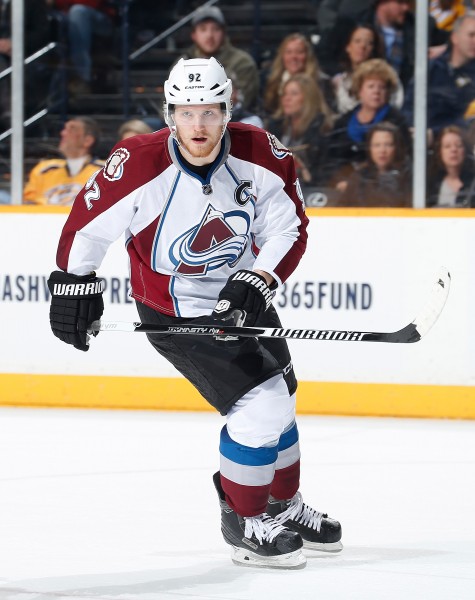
x: 218, y: 239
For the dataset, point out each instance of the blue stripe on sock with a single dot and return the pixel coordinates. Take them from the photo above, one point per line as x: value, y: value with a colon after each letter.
x: 244, y: 455
x: 289, y: 438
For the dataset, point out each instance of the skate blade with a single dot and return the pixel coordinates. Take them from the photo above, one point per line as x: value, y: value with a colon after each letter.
x: 245, y: 558
x: 333, y: 547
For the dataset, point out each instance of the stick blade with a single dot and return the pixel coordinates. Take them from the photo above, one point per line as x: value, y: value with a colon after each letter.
x: 434, y: 306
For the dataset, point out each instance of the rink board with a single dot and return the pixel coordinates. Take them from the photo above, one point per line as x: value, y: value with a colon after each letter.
x: 366, y: 270
x: 147, y: 393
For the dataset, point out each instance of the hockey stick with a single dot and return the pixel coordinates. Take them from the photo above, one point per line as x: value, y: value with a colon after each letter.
x: 408, y: 334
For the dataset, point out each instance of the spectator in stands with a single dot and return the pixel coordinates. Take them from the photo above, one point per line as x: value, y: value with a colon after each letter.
x: 395, y: 24
x: 294, y: 55
x: 470, y: 112
x: 385, y: 179
x: 446, y: 12
x: 239, y: 113
x: 57, y: 181
x: 300, y: 123
x: 362, y: 44
x: 329, y: 11
x: 471, y: 135
x: 452, y: 172
x: 373, y: 83
x: 451, y: 79
x: 336, y: 19
x: 84, y: 19
x: 210, y: 39
x: 36, y: 36
x: 133, y: 127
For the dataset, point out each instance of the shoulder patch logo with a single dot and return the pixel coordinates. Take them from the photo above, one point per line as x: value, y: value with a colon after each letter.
x: 114, y: 167
x: 278, y: 149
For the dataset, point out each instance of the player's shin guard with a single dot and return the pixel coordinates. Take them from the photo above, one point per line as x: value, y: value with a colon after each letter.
x: 246, y: 475
x: 318, y: 531
x: 287, y: 467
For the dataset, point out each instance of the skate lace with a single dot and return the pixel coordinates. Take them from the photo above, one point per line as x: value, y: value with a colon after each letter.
x: 264, y: 527
x: 300, y: 512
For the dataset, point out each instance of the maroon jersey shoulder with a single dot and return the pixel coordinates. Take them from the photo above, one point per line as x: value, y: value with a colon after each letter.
x: 132, y: 163
x: 149, y: 151
x: 259, y: 147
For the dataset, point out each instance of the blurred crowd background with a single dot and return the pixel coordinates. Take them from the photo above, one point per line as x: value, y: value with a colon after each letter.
x: 332, y: 79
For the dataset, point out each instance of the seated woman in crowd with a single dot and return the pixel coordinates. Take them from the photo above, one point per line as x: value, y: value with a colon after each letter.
x: 452, y: 172
x: 385, y: 179
x: 294, y: 55
x: 362, y: 43
x: 373, y: 82
x: 300, y: 123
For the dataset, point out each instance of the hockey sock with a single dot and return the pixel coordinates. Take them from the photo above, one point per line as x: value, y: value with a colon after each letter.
x: 287, y: 469
x: 246, y: 475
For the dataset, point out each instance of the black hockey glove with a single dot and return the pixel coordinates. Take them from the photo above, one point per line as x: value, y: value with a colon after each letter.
x: 245, y: 296
x: 75, y: 303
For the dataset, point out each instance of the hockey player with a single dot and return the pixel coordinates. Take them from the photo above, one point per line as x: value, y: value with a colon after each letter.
x: 214, y: 222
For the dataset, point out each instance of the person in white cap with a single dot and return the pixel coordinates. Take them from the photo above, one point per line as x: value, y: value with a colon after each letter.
x: 210, y: 39
x: 214, y: 222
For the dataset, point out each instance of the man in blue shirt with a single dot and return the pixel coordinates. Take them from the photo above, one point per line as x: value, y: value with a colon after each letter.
x: 451, y: 79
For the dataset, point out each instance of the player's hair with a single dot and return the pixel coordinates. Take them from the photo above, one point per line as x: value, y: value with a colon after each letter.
x: 375, y: 68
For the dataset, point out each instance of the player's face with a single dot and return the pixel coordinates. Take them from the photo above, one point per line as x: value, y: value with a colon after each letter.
x: 382, y: 149
x: 208, y: 36
x: 361, y: 45
x: 373, y: 93
x: 199, y: 128
x: 73, y: 140
x: 452, y: 150
x: 294, y: 56
x: 292, y: 99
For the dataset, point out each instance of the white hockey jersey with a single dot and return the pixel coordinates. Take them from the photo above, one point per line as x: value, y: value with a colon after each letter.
x: 185, y: 235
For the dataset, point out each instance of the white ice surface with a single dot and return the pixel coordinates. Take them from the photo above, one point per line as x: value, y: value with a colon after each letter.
x: 120, y: 506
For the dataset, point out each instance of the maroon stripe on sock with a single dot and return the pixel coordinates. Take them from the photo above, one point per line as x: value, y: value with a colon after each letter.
x: 286, y: 482
x: 246, y: 500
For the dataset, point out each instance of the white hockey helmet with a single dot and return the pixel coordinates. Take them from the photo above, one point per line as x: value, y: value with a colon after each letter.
x: 197, y: 81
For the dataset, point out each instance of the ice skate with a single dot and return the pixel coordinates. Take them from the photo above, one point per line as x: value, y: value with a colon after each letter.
x: 318, y: 531
x: 259, y: 541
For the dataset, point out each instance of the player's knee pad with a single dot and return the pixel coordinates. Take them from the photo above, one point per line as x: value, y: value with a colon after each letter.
x: 260, y: 416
